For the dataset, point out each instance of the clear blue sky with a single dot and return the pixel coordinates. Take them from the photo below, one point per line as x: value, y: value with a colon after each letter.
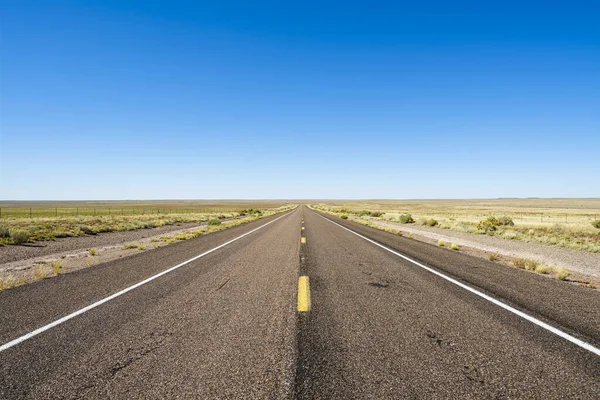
x: 220, y: 99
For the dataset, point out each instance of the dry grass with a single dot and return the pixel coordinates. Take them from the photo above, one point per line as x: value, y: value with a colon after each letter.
x: 454, y: 246
x: 556, y: 222
x: 494, y: 257
x: 56, y: 267
x: 10, y: 281
x: 40, y: 272
x: 441, y: 243
x: 50, y: 228
x: 536, y: 266
x: 561, y: 273
x: 93, y: 252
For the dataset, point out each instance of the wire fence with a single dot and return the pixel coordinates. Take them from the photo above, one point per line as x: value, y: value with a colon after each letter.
x: 56, y: 212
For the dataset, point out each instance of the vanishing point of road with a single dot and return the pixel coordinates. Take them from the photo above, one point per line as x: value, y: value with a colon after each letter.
x: 300, y: 305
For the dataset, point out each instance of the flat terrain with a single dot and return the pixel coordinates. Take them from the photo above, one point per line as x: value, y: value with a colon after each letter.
x: 226, y: 324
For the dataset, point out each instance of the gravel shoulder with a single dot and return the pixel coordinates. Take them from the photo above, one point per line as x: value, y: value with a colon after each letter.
x: 585, y: 263
x: 74, y: 253
x: 15, y: 253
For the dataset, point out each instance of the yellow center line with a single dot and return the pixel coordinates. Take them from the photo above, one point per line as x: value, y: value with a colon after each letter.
x: 302, y: 228
x: 303, y: 294
x: 302, y: 239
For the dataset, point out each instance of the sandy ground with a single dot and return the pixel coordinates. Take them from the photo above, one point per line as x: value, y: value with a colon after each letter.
x: 581, y: 262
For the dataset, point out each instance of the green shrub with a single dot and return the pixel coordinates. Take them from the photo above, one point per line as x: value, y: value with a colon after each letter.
x: 214, y: 222
x: 377, y: 214
x: 505, y: 221
x: 406, y: 219
x: 19, y: 236
x: 4, y: 232
x: 432, y: 222
x: 454, y: 246
x: 441, y: 243
x: 596, y: 223
x: 490, y: 224
x: 344, y: 217
x: 362, y: 213
x: 86, y: 229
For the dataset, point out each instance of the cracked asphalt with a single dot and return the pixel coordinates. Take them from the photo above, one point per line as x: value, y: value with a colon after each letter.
x: 225, y: 326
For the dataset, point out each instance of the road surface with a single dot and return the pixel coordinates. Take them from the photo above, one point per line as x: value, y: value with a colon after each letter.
x: 373, y: 316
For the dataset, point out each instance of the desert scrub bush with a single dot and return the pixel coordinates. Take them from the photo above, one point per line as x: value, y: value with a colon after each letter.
x: 432, y: 222
x: 129, y: 246
x: 526, y: 263
x: 596, y: 223
x: 505, y: 221
x: 19, y: 236
x: 39, y: 272
x: 441, y: 243
x: 4, y: 232
x: 561, y: 273
x: 377, y: 214
x: 344, y: 217
x: 406, y: 219
x: 488, y: 225
x: 454, y: 246
x: 92, y: 252
x: 86, y: 229
x: 10, y: 281
x: 214, y: 222
x: 494, y: 257
x: 543, y: 269
x: 56, y: 266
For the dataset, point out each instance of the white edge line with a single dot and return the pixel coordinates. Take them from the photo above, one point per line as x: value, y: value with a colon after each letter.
x: 128, y: 289
x: 521, y: 314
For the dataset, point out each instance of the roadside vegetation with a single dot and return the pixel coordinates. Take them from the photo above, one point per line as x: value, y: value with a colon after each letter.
x: 569, y: 223
x: 49, y: 268
x: 15, y: 231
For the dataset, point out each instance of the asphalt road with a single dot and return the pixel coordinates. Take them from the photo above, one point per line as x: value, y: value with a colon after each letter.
x: 226, y: 325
